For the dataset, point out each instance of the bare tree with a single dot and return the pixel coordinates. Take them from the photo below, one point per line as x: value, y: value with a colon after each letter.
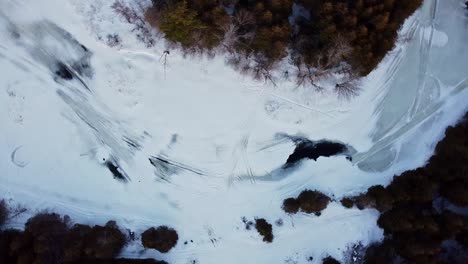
x: 235, y: 30
x: 144, y: 32
x: 164, y: 59
x: 347, y: 90
x: 244, y: 18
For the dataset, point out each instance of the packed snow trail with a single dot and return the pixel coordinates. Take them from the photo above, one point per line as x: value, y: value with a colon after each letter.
x: 195, y: 143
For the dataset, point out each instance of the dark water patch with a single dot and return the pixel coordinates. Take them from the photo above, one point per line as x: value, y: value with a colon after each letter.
x: 308, y: 149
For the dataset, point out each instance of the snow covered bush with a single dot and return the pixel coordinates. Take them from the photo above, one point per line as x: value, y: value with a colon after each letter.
x: 162, y: 238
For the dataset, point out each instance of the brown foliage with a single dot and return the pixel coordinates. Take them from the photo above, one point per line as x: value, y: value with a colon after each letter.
x: 104, y: 242
x: 347, y: 202
x: 290, y: 205
x: 414, y: 228
x: 312, y: 201
x: 4, y: 211
x: 162, y: 238
x: 48, y: 239
x: 359, y: 33
x: 330, y: 260
x: 265, y: 229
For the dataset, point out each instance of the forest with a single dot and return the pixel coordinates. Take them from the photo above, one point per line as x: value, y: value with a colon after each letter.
x: 318, y: 37
x: 424, y: 212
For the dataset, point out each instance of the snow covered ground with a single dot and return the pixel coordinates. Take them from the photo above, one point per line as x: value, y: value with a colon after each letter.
x: 215, y: 130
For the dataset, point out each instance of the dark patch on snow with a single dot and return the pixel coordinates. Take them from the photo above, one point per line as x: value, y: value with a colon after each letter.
x: 248, y: 224
x: 63, y: 71
x: 132, y: 143
x: 165, y: 167
x: 114, y: 168
x: 309, y: 149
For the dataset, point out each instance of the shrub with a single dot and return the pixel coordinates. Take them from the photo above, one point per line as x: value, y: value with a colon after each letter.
x: 4, y: 211
x: 265, y: 229
x: 456, y: 191
x: 290, y: 205
x: 75, y: 242
x: 382, y: 197
x: 416, y: 217
x: 179, y: 23
x: 104, y: 242
x: 48, y: 232
x: 162, y: 238
x: 347, y: 202
x: 48, y: 239
x: 312, y: 201
x: 330, y: 260
x: 308, y: 201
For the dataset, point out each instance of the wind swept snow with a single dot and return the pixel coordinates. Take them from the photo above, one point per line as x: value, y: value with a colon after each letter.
x: 183, y: 137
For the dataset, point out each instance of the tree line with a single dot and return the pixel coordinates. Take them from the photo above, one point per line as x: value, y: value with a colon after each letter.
x: 319, y: 37
x: 49, y: 238
x: 424, y: 211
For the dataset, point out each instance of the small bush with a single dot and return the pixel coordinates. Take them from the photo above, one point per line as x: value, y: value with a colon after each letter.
x: 162, y: 238
x: 416, y: 206
x: 330, y: 260
x: 265, y: 229
x: 347, y: 202
x: 308, y: 201
x: 290, y: 206
x: 312, y: 201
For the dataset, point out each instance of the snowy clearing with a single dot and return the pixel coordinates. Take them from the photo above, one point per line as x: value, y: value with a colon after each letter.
x: 196, y: 144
